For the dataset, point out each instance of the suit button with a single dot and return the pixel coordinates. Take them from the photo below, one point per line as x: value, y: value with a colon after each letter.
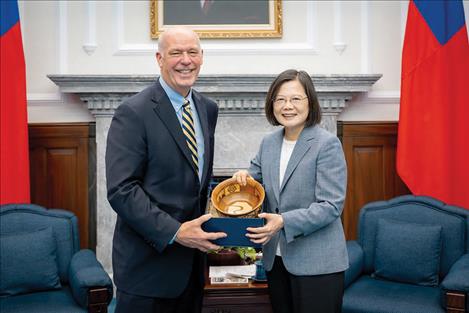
x: 276, y: 210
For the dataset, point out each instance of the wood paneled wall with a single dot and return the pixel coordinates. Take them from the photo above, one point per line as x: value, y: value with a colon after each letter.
x: 63, y: 171
x: 370, y: 152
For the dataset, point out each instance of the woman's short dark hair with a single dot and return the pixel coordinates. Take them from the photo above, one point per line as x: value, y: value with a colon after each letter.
x: 314, y: 116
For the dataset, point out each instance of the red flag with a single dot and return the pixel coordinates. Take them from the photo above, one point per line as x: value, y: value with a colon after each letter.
x: 14, y: 183
x: 433, y: 138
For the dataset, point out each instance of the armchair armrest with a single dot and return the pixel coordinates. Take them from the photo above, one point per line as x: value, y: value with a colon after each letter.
x: 457, y: 278
x: 456, y: 285
x: 88, y: 280
x: 356, y: 259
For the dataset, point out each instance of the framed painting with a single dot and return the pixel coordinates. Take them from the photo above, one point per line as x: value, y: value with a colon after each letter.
x: 219, y: 18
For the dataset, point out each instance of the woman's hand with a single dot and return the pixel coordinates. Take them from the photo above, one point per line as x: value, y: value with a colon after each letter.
x: 241, y: 177
x: 265, y: 233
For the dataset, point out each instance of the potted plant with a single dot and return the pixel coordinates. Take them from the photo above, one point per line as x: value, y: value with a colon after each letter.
x: 232, y: 256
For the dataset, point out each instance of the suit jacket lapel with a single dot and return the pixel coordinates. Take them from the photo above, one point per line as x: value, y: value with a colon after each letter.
x: 164, y: 109
x: 275, y: 164
x: 202, y: 113
x: 302, y: 146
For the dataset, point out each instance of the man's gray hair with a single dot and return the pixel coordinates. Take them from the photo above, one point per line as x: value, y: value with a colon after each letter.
x: 173, y: 31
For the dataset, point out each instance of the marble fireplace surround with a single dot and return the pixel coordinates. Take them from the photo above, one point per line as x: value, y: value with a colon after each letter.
x: 241, y: 123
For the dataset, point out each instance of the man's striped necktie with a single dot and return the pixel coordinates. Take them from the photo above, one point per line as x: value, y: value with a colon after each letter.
x: 189, y: 131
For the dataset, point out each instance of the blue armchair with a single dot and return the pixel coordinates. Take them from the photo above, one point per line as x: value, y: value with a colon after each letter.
x: 411, y: 256
x: 42, y: 268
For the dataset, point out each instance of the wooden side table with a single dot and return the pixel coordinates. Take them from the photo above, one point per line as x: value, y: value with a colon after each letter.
x: 247, y: 298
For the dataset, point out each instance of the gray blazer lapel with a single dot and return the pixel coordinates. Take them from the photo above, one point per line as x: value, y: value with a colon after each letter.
x: 275, y: 164
x: 302, y: 146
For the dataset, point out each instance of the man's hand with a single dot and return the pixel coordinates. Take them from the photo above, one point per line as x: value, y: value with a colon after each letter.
x: 191, y: 235
x: 265, y: 233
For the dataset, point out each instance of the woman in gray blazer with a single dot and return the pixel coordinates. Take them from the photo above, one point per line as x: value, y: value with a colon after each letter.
x: 303, y: 170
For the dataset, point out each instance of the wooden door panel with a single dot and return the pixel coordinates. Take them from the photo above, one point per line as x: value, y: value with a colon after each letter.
x: 370, y: 152
x: 59, y: 171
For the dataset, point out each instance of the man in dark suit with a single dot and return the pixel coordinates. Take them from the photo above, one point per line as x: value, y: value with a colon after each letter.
x: 158, y: 165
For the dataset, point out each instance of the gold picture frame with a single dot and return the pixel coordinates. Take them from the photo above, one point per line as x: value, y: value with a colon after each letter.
x: 227, y: 18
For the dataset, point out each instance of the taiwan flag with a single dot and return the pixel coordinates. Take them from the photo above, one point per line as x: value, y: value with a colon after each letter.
x: 433, y: 138
x: 14, y: 169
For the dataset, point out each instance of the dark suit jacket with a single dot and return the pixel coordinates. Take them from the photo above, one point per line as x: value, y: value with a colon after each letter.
x: 153, y: 187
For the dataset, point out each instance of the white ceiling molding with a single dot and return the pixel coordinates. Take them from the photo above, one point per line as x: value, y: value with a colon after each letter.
x: 384, y: 95
x: 295, y: 48
x: 365, y: 38
x: 63, y: 37
x: 119, y: 33
x: 22, y: 19
x: 312, y: 25
x: 339, y: 44
x: 35, y: 98
x: 90, y: 45
x: 404, y: 6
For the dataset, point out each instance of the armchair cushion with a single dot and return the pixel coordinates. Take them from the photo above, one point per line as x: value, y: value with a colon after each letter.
x: 86, y: 272
x: 51, y: 301
x: 381, y: 296
x: 458, y: 276
x: 408, y: 252
x: 28, y: 262
x: 356, y: 259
